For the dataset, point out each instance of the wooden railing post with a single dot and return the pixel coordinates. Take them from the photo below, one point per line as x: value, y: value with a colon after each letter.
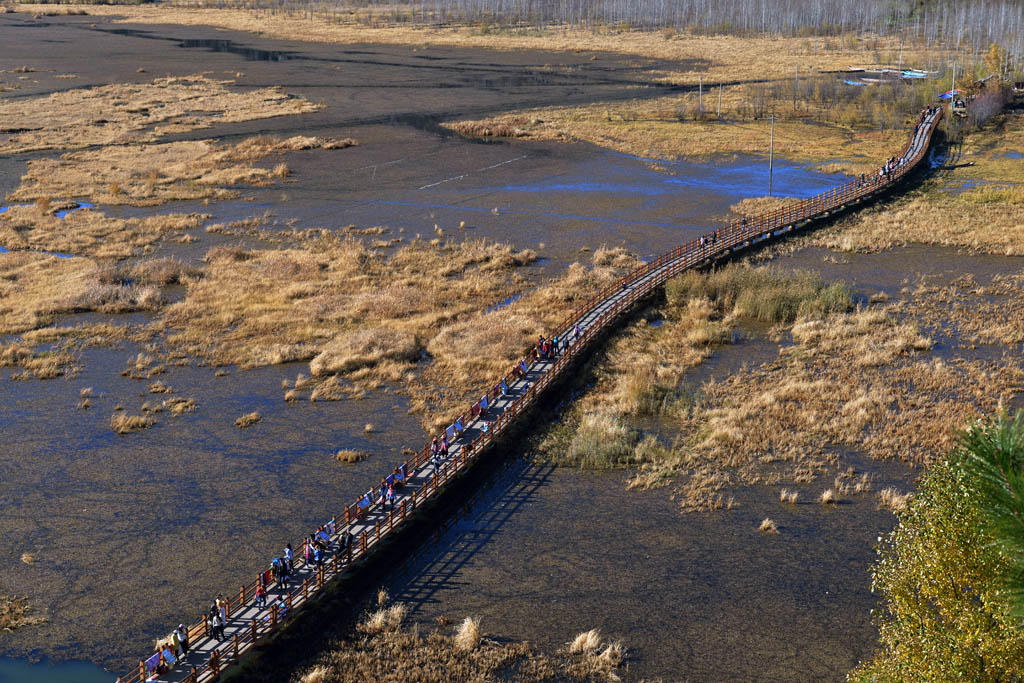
x: 254, y: 628
x: 235, y: 649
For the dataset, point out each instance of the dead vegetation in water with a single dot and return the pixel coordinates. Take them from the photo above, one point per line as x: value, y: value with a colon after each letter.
x: 361, y: 318
x: 248, y: 420
x: 755, y: 206
x: 123, y: 423
x: 152, y: 174
x: 16, y: 613
x: 864, y: 379
x: 350, y: 457
x: 88, y: 232
x: 131, y: 113
x: 384, y: 648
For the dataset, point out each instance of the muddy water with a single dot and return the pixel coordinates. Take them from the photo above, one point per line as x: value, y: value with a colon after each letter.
x: 545, y: 553
x: 135, y: 532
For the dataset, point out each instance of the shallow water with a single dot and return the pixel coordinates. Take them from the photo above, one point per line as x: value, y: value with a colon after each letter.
x: 545, y: 553
x: 19, y: 671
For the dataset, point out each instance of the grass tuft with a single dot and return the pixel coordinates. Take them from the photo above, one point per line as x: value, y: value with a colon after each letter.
x: 586, y: 642
x: 248, y: 420
x: 768, y: 526
x: 122, y: 423
x: 350, y: 457
x: 891, y: 499
x: 467, y: 638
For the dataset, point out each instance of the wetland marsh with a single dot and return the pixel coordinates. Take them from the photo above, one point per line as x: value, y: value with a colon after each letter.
x: 286, y: 228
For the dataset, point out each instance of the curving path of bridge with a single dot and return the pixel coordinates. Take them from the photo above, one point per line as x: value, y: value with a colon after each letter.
x: 366, y: 522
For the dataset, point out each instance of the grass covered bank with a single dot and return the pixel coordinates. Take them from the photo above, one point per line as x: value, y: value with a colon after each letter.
x: 848, y: 374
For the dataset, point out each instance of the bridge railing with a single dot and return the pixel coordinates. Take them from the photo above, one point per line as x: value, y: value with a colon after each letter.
x: 622, y: 294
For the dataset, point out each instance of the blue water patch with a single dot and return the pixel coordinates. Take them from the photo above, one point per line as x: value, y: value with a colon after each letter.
x: 973, y: 183
x: 508, y: 301
x: 21, y: 671
x: 747, y: 177
x: 1013, y: 155
x: 59, y: 214
x: 5, y: 250
x: 65, y: 212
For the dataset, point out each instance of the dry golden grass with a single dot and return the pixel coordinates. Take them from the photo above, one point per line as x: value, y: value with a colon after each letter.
x: 587, y: 641
x: 768, y: 526
x: 248, y: 420
x: 651, y: 127
x: 383, y: 619
x: 29, y: 558
x: 723, y: 58
x: 892, y: 499
x: 350, y: 457
x: 382, y: 649
x: 468, y: 637
x: 986, y: 218
x: 787, y: 496
x: 151, y: 174
x: 88, y: 232
x: 179, y: 405
x: 865, y: 379
x: 128, y: 113
x: 366, y: 318
x: 123, y: 423
x: 16, y: 612
x: 755, y: 206
x: 829, y: 497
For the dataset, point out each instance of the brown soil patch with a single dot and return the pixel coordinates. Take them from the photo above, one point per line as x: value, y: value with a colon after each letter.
x: 127, y: 113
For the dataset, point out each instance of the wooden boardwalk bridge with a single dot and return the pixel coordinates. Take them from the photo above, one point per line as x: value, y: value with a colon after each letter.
x: 362, y: 525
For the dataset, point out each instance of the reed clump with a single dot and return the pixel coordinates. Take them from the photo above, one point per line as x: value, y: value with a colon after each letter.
x: 468, y: 636
x: 123, y: 423
x: 762, y: 293
x: 381, y: 641
x: 768, y: 526
x: 893, y: 499
x: 350, y: 457
x: 248, y: 420
x: 17, y: 613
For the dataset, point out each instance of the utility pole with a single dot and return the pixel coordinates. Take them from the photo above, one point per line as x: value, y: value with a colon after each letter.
x: 796, y: 84
x: 771, y: 155
x: 719, y: 100
x: 954, y: 79
x: 700, y: 97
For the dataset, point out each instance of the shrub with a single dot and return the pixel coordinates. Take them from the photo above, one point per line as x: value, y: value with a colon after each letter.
x: 943, y: 575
